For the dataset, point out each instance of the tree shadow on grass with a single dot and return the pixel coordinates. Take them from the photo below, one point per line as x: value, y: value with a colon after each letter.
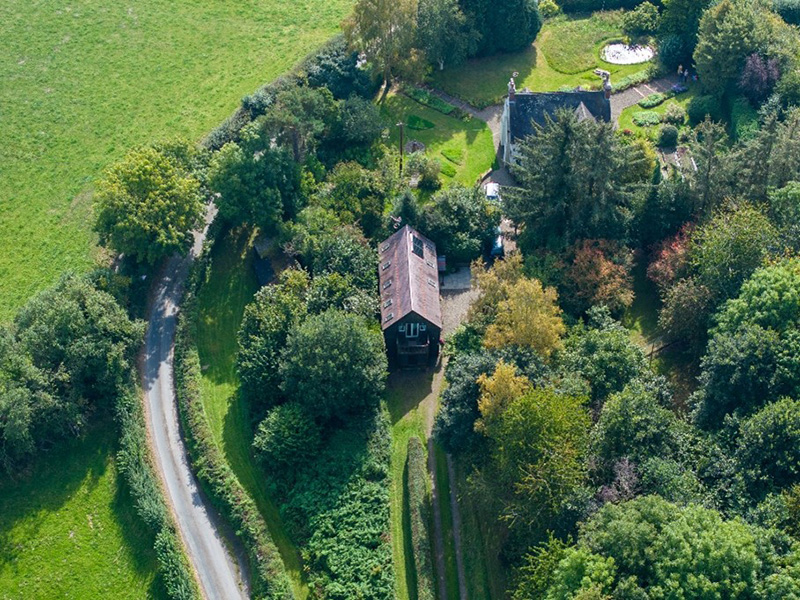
x: 49, y: 483
x: 405, y: 390
x: 230, y: 287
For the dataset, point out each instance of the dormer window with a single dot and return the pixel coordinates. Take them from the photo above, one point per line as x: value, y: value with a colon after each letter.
x: 385, y: 265
x: 388, y: 303
x: 388, y: 317
x: 418, y: 248
x: 387, y: 285
x: 384, y: 248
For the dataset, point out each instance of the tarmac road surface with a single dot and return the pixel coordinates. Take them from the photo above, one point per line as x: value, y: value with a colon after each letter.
x: 219, y: 573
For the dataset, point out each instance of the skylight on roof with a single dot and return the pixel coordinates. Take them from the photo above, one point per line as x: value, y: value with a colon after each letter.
x: 418, y: 248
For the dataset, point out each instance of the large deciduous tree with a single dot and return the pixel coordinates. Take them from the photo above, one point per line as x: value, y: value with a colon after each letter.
x: 384, y: 30
x: 148, y: 205
x: 334, y: 364
x: 255, y: 183
x: 528, y: 317
x: 443, y: 33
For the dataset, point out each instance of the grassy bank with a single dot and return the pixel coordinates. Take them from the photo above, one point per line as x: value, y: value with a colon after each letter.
x: 84, y: 82
x: 68, y: 528
x: 565, y: 54
x: 221, y: 304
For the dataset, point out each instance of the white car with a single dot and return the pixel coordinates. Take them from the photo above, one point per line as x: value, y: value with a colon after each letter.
x: 493, y: 191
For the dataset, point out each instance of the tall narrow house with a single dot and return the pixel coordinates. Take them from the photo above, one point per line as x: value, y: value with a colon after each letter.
x: 411, y: 315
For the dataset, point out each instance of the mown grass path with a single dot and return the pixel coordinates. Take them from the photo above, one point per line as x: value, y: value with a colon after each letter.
x: 85, y: 81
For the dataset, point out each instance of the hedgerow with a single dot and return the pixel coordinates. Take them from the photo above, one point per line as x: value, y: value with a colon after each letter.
x: 268, y: 575
x: 337, y: 509
x: 419, y: 516
x: 427, y: 99
x: 632, y: 80
x: 135, y: 464
x: 653, y: 100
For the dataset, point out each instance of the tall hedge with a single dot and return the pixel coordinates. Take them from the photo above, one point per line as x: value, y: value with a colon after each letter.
x: 268, y: 575
x: 135, y: 464
x: 419, y: 511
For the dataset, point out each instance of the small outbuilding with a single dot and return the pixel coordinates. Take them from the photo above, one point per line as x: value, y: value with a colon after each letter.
x: 411, y: 313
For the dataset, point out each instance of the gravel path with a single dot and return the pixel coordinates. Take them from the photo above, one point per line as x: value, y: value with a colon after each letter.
x: 198, y: 524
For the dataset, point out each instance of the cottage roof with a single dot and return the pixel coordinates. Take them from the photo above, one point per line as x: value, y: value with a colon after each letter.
x: 528, y: 108
x: 409, y: 279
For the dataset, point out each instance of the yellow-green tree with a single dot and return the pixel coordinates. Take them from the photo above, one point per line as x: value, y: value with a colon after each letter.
x: 528, y: 317
x: 497, y: 392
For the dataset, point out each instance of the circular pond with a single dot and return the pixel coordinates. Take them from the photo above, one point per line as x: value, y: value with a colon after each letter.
x: 623, y: 54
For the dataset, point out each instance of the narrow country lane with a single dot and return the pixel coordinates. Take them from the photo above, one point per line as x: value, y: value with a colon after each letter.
x: 199, y: 527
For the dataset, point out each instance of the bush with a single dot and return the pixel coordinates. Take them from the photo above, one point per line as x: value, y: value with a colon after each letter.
x: 632, y: 80
x: 419, y: 503
x: 652, y: 100
x: 338, y: 512
x: 701, y: 107
x: 668, y: 136
x: 286, y: 438
x: 641, y: 21
x: 646, y: 118
x: 674, y: 115
x: 427, y: 169
x: 549, y: 9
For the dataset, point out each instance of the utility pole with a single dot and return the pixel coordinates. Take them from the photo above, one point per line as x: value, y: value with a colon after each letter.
x: 401, y: 125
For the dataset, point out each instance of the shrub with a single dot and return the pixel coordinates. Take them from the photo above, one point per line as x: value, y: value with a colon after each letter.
x: 668, y: 136
x: 549, y: 9
x: 759, y: 77
x: 135, y: 465
x: 287, y: 437
x: 701, y: 107
x: 652, y: 100
x: 674, y: 115
x: 427, y: 169
x: 643, y: 20
x: 646, y: 118
x: 338, y: 512
x: 449, y: 170
x: 632, y: 80
x: 419, y: 515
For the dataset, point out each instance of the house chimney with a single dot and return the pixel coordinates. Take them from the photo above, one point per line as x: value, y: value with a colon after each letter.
x: 512, y: 90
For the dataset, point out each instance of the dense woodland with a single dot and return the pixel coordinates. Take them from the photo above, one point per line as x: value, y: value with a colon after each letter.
x: 605, y: 473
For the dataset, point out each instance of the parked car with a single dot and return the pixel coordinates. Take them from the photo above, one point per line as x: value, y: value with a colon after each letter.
x: 498, y: 245
x: 493, y: 191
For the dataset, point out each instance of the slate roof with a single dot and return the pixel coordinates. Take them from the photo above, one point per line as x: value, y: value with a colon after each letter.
x: 529, y: 108
x: 409, y: 279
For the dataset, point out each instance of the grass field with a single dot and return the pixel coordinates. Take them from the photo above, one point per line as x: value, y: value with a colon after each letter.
x: 230, y: 288
x: 85, y: 81
x: 68, y: 528
x: 466, y: 147
x: 565, y: 54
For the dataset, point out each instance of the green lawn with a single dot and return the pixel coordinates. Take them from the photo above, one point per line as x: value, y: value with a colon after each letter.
x: 221, y: 304
x: 405, y: 391
x: 626, y: 119
x: 466, y: 147
x: 565, y: 54
x: 85, y: 81
x: 68, y: 528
